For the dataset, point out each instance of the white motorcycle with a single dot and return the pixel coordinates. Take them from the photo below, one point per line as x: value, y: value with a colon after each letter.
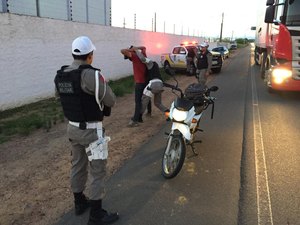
x: 185, y: 113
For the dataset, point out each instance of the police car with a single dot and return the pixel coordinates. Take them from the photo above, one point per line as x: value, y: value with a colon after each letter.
x: 177, y: 59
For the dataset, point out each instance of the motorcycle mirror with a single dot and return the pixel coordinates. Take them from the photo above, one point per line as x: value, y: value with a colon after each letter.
x: 170, y: 71
x: 214, y: 88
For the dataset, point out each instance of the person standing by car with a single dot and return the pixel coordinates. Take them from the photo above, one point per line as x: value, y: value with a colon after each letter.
x: 204, y: 63
x: 190, y: 61
x: 139, y: 74
x: 86, y: 98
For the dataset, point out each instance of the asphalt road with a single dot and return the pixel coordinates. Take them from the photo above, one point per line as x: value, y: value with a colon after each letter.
x: 270, y: 192
x: 246, y: 173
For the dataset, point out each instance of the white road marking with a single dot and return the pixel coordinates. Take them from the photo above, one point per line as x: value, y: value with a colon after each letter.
x: 264, y: 207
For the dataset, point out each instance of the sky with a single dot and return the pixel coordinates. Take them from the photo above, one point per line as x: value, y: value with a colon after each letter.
x: 188, y: 17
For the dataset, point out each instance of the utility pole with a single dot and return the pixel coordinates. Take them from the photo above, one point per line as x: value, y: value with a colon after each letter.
x: 155, y: 22
x: 5, y: 6
x: 87, y: 11
x: 221, y: 27
x: 134, y: 21
x: 124, y: 23
x: 70, y: 11
x: 37, y: 8
x: 152, y: 25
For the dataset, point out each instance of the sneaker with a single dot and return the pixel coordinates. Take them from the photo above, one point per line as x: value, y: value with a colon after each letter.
x: 133, y: 123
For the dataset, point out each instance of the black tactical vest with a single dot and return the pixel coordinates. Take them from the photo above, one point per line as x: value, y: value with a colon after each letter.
x: 77, y: 105
x: 202, y: 62
x: 153, y: 73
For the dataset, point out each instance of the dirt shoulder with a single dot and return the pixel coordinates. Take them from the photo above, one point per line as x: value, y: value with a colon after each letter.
x: 34, y: 178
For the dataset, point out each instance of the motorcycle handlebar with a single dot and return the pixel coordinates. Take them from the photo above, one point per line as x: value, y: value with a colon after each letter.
x: 169, y: 85
x: 207, y: 93
x: 210, y: 99
x: 172, y: 87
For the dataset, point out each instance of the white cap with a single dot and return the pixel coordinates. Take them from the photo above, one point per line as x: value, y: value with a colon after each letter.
x: 82, y: 46
x: 204, y: 45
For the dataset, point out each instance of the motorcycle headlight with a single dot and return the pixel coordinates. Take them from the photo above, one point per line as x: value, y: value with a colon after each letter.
x: 179, y: 115
x: 279, y: 75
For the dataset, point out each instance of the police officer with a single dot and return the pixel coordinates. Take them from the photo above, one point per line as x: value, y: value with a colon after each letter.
x: 86, y: 98
x: 204, y: 63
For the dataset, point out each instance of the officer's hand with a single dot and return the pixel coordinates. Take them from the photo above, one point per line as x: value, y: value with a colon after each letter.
x: 106, y: 111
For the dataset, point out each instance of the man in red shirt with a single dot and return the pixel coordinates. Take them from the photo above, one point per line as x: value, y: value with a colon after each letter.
x: 139, y: 74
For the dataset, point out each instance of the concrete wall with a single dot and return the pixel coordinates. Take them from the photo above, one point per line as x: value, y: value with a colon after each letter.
x: 32, y: 49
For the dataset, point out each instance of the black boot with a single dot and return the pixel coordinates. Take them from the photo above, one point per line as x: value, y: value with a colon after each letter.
x: 99, y: 216
x: 81, y: 203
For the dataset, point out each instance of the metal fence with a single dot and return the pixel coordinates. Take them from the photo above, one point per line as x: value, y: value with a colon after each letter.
x: 87, y: 11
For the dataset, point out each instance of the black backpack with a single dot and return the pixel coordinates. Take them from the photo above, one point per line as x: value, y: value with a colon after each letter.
x: 153, y: 73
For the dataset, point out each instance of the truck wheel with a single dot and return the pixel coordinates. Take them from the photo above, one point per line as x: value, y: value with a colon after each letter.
x: 263, y: 66
x: 167, y: 65
x: 269, y: 84
x: 256, y: 57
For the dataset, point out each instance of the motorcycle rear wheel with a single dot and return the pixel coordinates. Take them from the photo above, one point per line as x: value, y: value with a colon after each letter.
x: 174, y: 155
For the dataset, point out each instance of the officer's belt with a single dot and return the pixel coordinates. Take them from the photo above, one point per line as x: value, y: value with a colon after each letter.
x: 86, y: 125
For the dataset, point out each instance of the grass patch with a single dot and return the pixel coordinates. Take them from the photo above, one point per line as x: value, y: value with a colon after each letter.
x: 122, y: 86
x: 46, y: 113
x: 25, y: 119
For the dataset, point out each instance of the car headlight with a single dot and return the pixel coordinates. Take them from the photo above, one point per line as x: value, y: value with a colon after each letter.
x: 279, y: 75
x: 179, y: 115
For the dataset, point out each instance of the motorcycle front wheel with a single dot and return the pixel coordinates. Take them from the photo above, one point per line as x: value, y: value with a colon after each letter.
x: 174, y: 155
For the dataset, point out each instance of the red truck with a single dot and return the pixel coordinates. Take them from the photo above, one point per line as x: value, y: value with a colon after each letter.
x: 277, y: 44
